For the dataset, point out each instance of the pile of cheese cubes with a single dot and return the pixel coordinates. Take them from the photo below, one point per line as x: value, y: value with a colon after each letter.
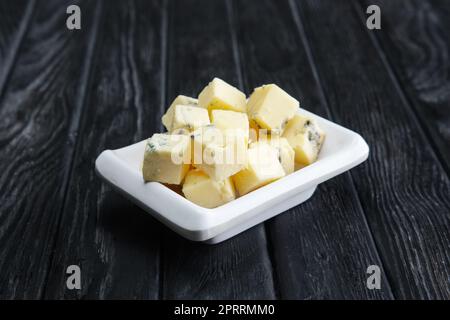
x: 221, y: 145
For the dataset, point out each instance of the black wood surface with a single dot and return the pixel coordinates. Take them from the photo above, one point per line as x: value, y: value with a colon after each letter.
x: 402, y: 187
x: 67, y: 95
x: 39, y: 114
x: 416, y: 42
x: 14, y: 19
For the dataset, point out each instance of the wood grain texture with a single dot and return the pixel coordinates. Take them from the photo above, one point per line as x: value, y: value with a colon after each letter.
x: 416, y: 41
x: 36, y: 116
x: 11, y: 14
x: 323, y: 247
x: 114, y: 242
x: 14, y: 19
x: 403, y: 188
x: 201, y: 48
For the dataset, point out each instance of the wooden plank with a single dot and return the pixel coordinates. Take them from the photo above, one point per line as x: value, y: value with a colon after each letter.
x: 201, y: 48
x: 12, y: 16
x: 14, y: 19
x: 415, y: 38
x: 403, y: 188
x: 114, y: 242
x: 37, y: 112
x: 323, y: 247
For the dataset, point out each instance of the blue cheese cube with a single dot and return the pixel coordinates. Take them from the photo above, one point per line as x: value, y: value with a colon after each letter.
x: 167, y: 118
x: 231, y: 123
x: 286, y: 154
x: 263, y: 168
x: 167, y: 158
x: 189, y: 118
x: 270, y: 107
x: 305, y: 137
x: 217, y: 155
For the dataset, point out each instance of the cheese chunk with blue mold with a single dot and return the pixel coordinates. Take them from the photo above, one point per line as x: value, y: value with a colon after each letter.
x: 167, y: 118
x: 199, y: 188
x: 220, y: 95
x: 286, y: 154
x: 219, y: 156
x: 305, y: 137
x: 271, y: 107
x: 167, y: 158
x: 263, y: 168
x: 188, y: 118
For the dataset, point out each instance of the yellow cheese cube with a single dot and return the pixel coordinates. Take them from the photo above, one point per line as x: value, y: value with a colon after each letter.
x: 231, y: 122
x: 263, y: 167
x: 305, y: 137
x: 199, y: 188
x: 167, y: 158
x: 218, y: 156
x: 167, y: 118
x: 271, y: 107
x: 286, y: 154
x: 189, y: 118
x: 220, y: 95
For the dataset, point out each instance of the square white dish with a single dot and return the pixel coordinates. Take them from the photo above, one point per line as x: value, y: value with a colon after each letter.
x: 342, y: 150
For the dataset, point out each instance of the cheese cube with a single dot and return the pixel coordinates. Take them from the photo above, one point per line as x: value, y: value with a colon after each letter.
x: 199, y: 188
x: 167, y: 118
x: 263, y: 167
x: 271, y: 107
x: 231, y: 122
x: 167, y: 158
x: 286, y: 154
x: 220, y: 95
x: 217, y: 155
x: 305, y: 137
x: 189, y: 118
x: 202, y: 137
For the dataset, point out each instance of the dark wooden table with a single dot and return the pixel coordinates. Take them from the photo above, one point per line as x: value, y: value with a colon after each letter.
x: 68, y: 95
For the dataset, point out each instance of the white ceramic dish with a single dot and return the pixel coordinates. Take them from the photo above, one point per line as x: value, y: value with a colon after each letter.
x: 343, y: 149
